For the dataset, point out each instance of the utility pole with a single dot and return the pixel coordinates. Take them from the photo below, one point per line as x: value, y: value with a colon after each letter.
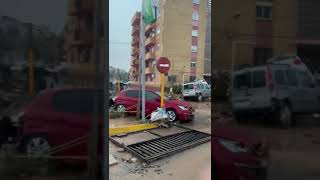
x: 30, y: 62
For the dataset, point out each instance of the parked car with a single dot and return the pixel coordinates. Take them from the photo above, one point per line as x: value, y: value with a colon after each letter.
x: 198, y: 90
x: 238, y: 154
x: 283, y: 88
x: 58, y: 116
x: 176, y: 109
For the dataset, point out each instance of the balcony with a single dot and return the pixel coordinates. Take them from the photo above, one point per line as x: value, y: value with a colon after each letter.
x: 82, y: 38
x: 135, y: 52
x: 135, y: 30
x: 150, y: 56
x: 149, y: 28
x: 149, y: 70
x: 150, y: 42
x: 135, y: 62
x: 76, y: 7
x: 135, y: 41
x: 136, y: 18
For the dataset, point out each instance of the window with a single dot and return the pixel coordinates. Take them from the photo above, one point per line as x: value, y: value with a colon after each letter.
x: 279, y: 76
x: 242, y: 81
x: 199, y: 86
x: 194, y: 48
x: 132, y: 93
x: 188, y: 86
x: 264, y: 11
x: 172, y: 78
x: 80, y: 102
x: 292, y: 78
x: 193, y: 64
x: 196, y: 1
x: 195, y: 16
x: 258, y: 79
x: 192, y: 78
x: 195, y: 33
x: 151, y: 96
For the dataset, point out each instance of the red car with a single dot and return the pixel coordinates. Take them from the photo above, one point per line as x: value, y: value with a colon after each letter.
x: 238, y: 154
x: 56, y: 117
x: 176, y: 109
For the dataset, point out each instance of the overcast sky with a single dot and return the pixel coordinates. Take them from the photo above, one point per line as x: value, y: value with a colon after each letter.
x: 120, y: 14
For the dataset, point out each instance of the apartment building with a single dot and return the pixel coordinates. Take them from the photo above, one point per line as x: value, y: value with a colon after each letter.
x: 81, y: 68
x: 178, y: 34
x: 249, y: 32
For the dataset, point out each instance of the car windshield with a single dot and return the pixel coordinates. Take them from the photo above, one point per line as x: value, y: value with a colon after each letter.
x: 165, y: 97
x: 188, y: 86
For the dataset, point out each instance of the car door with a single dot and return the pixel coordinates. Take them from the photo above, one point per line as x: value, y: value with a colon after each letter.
x: 294, y: 95
x: 240, y: 91
x: 152, y: 102
x: 73, y: 114
x: 308, y: 92
x: 131, y: 100
x: 259, y: 92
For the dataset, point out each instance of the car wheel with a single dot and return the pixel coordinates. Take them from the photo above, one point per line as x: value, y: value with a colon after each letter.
x: 37, y: 146
x: 285, y: 115
x: 121, y: 108
x: 200, y: 98
x: 172, y: 115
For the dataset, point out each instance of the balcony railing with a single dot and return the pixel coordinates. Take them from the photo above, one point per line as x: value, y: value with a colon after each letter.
x: 135, y: 30
x: 150, y: 42
x: 149, y: 28
x: 150, y: 56
x: 149, y: 70
x: 136, y: 18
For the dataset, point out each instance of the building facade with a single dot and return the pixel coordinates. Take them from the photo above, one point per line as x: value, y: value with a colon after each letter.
x: 249, y: 32
x: 81, y: 67
x: 178, y: 34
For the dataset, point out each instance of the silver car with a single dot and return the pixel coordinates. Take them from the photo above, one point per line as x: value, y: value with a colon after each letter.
x: 282, y: 88
x: 198, y: 90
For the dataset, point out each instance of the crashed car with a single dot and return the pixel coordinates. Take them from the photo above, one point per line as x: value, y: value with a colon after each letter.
x: 238, y: 154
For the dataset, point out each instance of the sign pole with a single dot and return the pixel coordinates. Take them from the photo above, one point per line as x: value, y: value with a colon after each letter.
x: 162, y: 90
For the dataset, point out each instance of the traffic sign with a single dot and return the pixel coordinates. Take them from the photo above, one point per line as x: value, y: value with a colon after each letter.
x: 163, y: 65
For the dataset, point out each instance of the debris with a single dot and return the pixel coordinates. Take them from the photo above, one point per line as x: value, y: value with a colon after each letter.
x: 126, y: 158
x: 133, y: 160
x: 112, y: 160
x: 121, y: 150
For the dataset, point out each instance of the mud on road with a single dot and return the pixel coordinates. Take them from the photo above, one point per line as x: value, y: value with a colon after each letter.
x: 196, y: 159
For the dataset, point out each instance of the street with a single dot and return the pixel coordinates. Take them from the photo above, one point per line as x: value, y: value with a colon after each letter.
x: 197, y: 158
x: 294, y: 151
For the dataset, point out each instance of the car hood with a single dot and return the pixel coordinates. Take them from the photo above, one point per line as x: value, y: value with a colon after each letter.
x: 242, y: 135
x: 177, y: 103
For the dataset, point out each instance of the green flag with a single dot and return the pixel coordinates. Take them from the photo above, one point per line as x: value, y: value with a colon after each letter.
x: 148, y: 12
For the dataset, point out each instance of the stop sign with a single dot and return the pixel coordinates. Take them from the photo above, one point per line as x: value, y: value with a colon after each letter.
x: 163, y: 65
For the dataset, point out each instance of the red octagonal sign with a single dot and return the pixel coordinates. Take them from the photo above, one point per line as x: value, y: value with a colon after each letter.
x: 163, y: 65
